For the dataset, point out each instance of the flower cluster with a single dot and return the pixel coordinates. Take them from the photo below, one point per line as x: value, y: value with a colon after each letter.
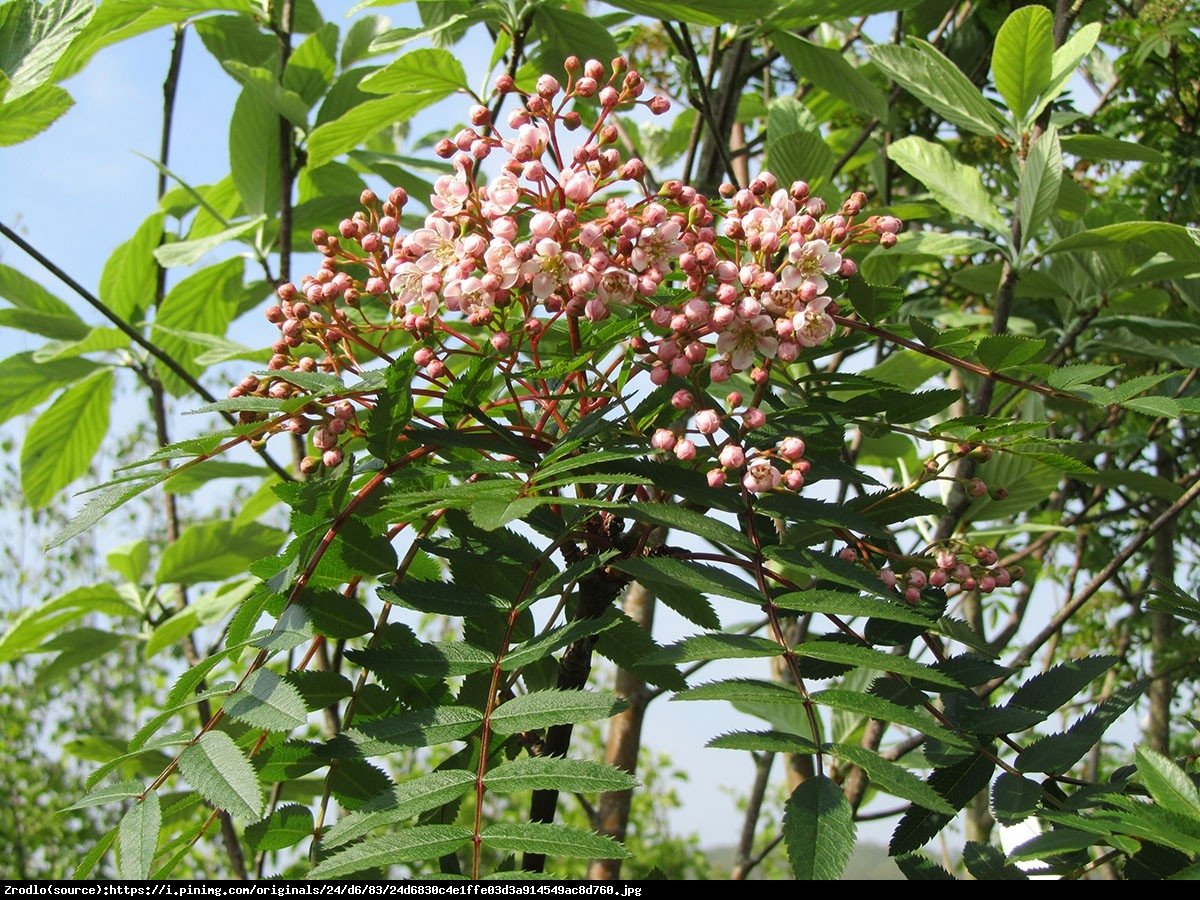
x: 549, y: 233
x: 949, y: 571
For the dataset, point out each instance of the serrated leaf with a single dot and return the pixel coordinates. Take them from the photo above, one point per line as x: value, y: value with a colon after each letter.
x: 409, y: 845
x: 1054, y: 843
x: 26, y: 382
x: 428, y: 70
x: 61, y: 442
x: 766, y: 741
x: 674, y: 572
x: 187, y: 253
x: 987, y: 863
x: 138, y: 838
x: 957, y: 783
x: 680, y: 518
x: 222, y: 775
x: 543, y: 645
x: 1180, y: 242
x: 393, y: 409
x: 795, y: 148
x: 1041, y: 178
x: 32, y: 113
x: 405, y: 800
x: 268, y: 702
x: 1021, y: 60
x: 1014, y: 798
x: 122, y: 790
x: 552, y: 840
x: 1159, y: 407
x: 818, y: 830
x: 418, y: 728
x: 884, y: 710
x: 892, y: 778
x: 537, y: 773
x: 441, y: 598
x: 285, y: 827
x: 335, y: 615
x: 919, y: 867
x: 1099, y: 147
x: 751, y: 690
x: 1065, y: 61
x: 839, y: 603
x: 291, y: 630
x: 1056, y: 753
x: 437, y: 659
x: 1168, y: 783
x: 34, y: 36
x: 713, y: 646
x: 214, y: 551
x: 957, y: 187
x: 1051, y: 690
x: 363, y: 121
x: 938, y: 83
x: 829, y: 70
x: 542, y: 709
x: 870, y: 658
x: 1069, y: 377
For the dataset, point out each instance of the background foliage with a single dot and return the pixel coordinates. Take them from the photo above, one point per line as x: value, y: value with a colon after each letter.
x: 1011, y: 381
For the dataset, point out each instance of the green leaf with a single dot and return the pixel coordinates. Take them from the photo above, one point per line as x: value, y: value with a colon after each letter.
x: 286, y: 103
x: 32, y: 38
x: 60, y: 444
x: 893, y: 779
x: 335, y: 615
x: 957, y: 187
x: 1065, y: 61
x: 310, y: 68
x: 680, y: 518
x: 393, y: 410
x: 1056, y: 753
x: 1167, y: 783
x: 214, y: 551
x: 1069, y: 377
x: 818, y: 830
x: 138, y: 838
x: 32, y: 113
x: 768, y: 741
x: 795, y: 148
x: 405, y: 800
x: 1097, y: 146
x: 426, y: 71
x: 886, y: 711
x: 840, y: 603
x: 409, y: 845
x: 677, y: 572
x: 440, y: 598
x: 222, y: 775
x: 362, y: 122
x: 829, y: 70
x: 26, y: 382
x: 287, y: 826
x: 552, y: 840
x: 751, y: 690
x: 543, y: 645
x: 938, y: 83
x: 292, y: 630
x: 1014, y: 798
x: 957, y: 783
x: 1041, y: 177
x: 267, y: 702
x: 186, y: 253
x: 1054, y: 843
x: 873, y: 302
x: 987, y: 863
x: 36, y: 310
x: 417, y: 728
x: 1179, y: 242
x: 1000, y: 351
x: 542, y: 709
x: 1021, y: 60
x: 437, y: 659
x: 870, y: 658
x: 713, y: 646
x: 1051, y: 690
x: 122, y: 790
x: 536, y: 773
x: 919, y: 867
x: 206, y: 301
x: 27, y: 629
x: 565, y: 33
x: 254, y: 153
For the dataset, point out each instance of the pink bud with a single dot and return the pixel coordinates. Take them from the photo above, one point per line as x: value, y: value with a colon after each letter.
x: 732, y: 456
x: 888, y: 577
x: 682, y: 399
x: 793, y: 480
x: 685, y: 450
x: 791, y: 448
x: 707, y: 421
x: 332, y: 458
x: 716, y: 478
x: 754, y: 418
x: 663, y: 439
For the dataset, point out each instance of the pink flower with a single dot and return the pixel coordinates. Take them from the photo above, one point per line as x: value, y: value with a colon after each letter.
x: 746, y: 337
x: 656, y: 247
x: 813, y: 325
x: 550, y: 268
x: 811, y: 262
x: 761, y: 477
x: 500, y: 197
x: 450, y: 194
